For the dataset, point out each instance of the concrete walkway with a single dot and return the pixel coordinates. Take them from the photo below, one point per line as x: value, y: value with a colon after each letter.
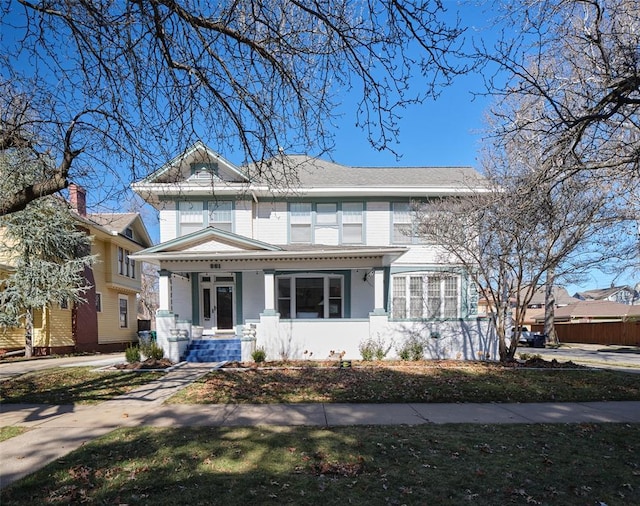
x: 57, y: 430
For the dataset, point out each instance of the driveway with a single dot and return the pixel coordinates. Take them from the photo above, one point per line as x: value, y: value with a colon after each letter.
x: 625, y: 358
x: 10, y: 368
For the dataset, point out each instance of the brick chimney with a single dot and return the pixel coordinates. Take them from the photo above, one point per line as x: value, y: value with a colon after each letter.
x: 78, y: 199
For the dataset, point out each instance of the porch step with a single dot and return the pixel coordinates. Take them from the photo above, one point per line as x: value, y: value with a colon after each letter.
x: 214, y: 350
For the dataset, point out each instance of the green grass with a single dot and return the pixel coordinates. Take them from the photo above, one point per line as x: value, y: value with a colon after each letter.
x: 9, y: 432
x: 460, y: 382
x: 574, y: 464
x: 71, y: 385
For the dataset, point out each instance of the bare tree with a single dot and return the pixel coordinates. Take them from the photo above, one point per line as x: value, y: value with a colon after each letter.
x: 103, y: 86
x: 576, y: 62
x: 569, y: 84
x: 521, y: 232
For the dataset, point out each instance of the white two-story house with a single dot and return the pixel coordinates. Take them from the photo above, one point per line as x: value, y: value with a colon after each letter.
x: 321, y: 267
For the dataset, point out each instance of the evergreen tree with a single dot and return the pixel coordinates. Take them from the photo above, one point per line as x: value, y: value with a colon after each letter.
x: 49, y: 253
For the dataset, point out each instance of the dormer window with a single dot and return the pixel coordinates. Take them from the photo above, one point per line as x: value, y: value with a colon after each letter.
x: 128, y: 232
x: 204, y: 170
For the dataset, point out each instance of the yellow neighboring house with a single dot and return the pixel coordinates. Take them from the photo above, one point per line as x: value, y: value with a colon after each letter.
x: 107, y: 321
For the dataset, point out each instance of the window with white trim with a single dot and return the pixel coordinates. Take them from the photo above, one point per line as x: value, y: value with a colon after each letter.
x: 310, y: 296
x: 191, y: 217
x: 419, y: 296
x: 326, y: 214
x: 300, y: 220
x: 352, y: 223
x: 405, y: 224
x: 402, y: 223
x: 221, y: 215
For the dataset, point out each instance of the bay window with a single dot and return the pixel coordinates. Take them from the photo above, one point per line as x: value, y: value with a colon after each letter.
x: 425, y: 296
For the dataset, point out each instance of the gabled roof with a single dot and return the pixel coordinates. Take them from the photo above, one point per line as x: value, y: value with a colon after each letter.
x: 117, y: 224
x: 302, y: 176
x: 210, y: 235
x: 176, y: 169
x: 560, y: 293
x: 603, y: 293
x: 595, y: 309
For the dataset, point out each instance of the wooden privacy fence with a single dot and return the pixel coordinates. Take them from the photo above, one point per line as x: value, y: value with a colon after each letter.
x: 621, y: 333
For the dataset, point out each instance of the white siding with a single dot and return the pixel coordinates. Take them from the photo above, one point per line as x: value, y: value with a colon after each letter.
x: 181, y: 297
x: 213, y: 246
x: 168, y: 222
x: 377, y: 224
x: 327, y: 235
x: 252, y: 294
x: 362, y: 294
x: 243, y: 218
x: 424, y: 255
x: 271, y: 222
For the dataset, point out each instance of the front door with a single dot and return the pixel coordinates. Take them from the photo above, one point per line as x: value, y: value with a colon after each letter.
x: 224, y: 306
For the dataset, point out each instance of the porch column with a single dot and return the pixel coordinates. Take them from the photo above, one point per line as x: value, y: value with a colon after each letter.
x: 269, y: 292
x: 164, y: 288
x: 378, y: 286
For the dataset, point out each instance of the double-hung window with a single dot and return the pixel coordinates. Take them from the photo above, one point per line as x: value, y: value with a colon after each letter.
x: 191, y: 217
x: 221, y: 215
x: 300, y: 219
x: 126, y: 264
x: 123, y: 304
x: 352, y: 223
x: 425, y: 296
x: 402, y: 223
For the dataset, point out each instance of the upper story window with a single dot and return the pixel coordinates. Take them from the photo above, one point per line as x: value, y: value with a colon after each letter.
x: 352, y: 223
x: 425, y: 296
x: 326, y: 215
x: 221, y: 215
x: 126, y: 265
x: 307, y: 220
x: 128, y: 232
x: 191, y: 217
x: 402, y: 218
x: 300, y: 219
x: 404, y: 225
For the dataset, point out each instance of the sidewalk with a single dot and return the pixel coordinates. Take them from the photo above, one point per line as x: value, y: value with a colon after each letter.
x: 57, y: 430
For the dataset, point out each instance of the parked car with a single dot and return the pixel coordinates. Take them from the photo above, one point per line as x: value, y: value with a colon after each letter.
x: 529, y: 338
x: 526, y: 336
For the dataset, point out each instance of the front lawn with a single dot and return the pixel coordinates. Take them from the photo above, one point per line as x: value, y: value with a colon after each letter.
x: 447, y: 381
x: 578, y: 464
x: 71, y: 385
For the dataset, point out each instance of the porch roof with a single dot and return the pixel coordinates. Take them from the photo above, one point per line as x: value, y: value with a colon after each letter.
x: 212, y: 245
x: 286, y: 253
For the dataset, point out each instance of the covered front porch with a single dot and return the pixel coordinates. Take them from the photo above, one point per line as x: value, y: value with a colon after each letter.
x: 295, y: 302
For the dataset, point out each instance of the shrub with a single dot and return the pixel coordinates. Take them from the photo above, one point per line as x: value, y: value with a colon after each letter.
x: 132, y: 354
x: 259, y: 355
x: 411, y: 349
x: 374, y: 349
x: 154, y: 351
x: 151, y: 349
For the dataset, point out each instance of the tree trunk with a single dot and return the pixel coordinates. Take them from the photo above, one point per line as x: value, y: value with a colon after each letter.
x: 28, y: 334
x: 550, y: 309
